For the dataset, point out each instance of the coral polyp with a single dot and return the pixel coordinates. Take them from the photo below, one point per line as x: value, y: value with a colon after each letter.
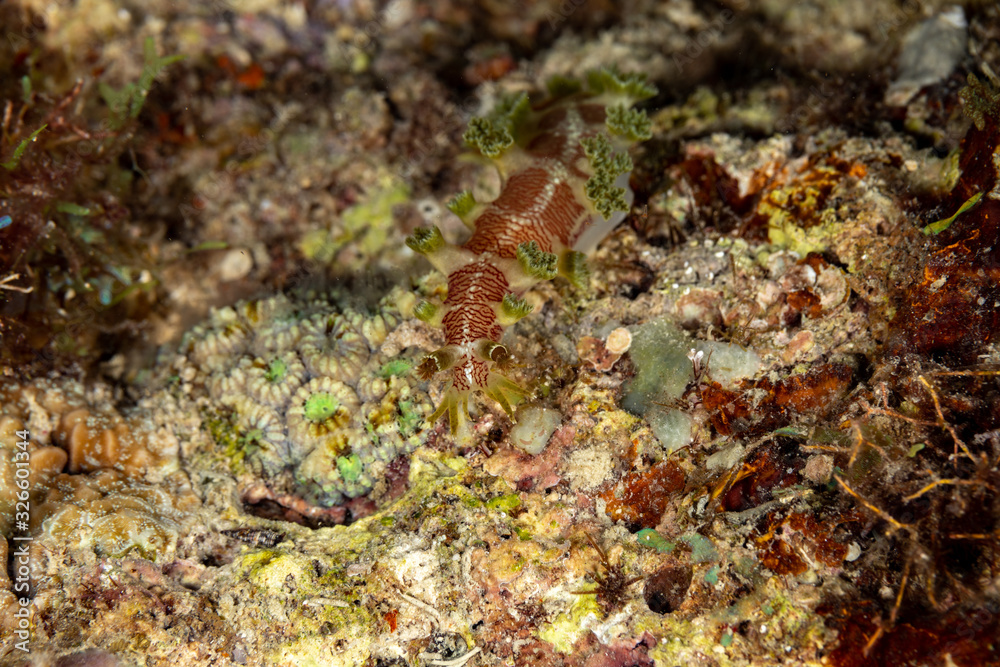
x: 273, y: 382
x: 320, y: 409
x: 333, y: 346
x: 262, y: 438
x: 222, y: 336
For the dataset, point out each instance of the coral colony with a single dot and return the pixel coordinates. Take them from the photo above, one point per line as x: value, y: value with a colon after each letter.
x: 564, y: 179
x: 309, y: 390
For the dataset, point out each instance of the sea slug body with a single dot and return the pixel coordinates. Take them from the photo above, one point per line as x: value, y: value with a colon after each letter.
x: 564, y: 174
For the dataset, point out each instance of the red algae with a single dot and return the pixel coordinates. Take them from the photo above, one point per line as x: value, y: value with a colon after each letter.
x: 641, y: 498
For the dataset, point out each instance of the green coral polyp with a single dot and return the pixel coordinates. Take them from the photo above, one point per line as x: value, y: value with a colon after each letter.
x: 395, y: 368
x: 350, y: 467
x: 320, y: 407
x: 277, y: 370
x: 536, y: 262
x: 251, y: 437
x: 409, y: 417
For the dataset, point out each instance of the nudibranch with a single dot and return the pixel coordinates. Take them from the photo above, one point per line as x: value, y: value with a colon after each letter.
x: 564, y: 185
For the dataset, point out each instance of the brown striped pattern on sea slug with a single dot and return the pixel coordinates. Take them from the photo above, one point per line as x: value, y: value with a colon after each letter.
x: 561, y: 176
x: 535, y: 206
